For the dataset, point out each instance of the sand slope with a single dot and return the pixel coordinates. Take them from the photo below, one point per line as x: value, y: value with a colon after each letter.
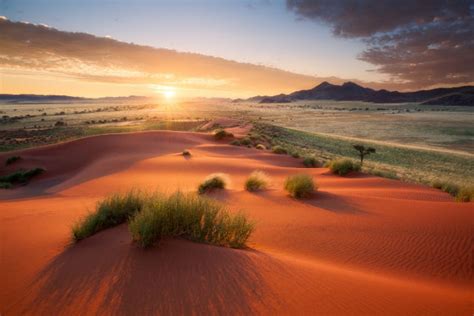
x: 361, y: 246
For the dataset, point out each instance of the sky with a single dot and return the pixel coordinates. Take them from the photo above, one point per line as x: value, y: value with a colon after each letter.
x: 307, y: 41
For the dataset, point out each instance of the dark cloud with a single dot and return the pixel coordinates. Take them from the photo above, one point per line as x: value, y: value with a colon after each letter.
x: 419, y: 43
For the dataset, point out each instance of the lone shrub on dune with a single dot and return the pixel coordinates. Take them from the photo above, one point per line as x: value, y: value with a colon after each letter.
x: 112, y: 211
x: 186, y: 153
x: 300, y: 186
x: 258, y: 180
x: 310, y: 162
x: 343, y: 166
x: 213, y: 181
x: 190, y: 216
x: 279, y: 150
x: 12, y: 159
x: 221, y: 134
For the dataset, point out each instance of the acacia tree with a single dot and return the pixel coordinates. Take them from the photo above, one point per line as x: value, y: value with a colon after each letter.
x: 363, y: 151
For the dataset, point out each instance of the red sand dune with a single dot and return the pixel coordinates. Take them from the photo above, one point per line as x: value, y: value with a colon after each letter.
x: 361, y: 246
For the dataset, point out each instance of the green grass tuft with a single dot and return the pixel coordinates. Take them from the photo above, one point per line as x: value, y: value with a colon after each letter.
x: 21, y: 176
x: 279, y: 150
x: 190, y: 216
x: 12, y: 159
x: 213, y: 181
x: 343, y: 166
x: 310, y: 162
x: 112, y: 211
x: 258, y: 180
x: 221, y: 134
x: 300, y: 185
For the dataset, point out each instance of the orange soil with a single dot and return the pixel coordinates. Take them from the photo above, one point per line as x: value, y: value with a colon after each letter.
x: 362, y: 245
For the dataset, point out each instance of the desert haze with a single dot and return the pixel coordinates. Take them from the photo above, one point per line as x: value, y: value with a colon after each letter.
x: 236, y: 158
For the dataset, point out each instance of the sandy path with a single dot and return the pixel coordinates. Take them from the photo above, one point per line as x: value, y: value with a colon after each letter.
x: 363, y: 245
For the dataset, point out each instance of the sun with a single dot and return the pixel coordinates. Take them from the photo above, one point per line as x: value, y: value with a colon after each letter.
x: 168, y: 94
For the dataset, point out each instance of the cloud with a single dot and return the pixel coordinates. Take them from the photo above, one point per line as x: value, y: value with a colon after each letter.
x: 418, y: 43
x: 41, y: 48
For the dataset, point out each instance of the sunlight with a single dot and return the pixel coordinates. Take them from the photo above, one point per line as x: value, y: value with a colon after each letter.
x: 168, y: 92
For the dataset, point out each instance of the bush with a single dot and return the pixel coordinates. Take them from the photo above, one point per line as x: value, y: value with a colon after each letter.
x: 246, y: 141
x: 300, y: 185
x: 235, y: 142
x: 112, y: 211
x: 21, y: 176
x: 343, y: 166
x: 213, y: 181
x: 448, y: 187
x: 190, y: 216
x: 310, y: 162
x: 257, y: 180
x: 279, y: 150
x: 465, y: 194
x: 186, y: 153
x: 295, y: 154
x: 12, y: 159
x: 221, y: 134
x: 5, y: 185
x: 261, y: 147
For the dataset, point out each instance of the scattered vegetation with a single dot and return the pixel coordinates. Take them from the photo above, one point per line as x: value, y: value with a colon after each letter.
x: 343, y: 166
x: 261, y: 147
x: 190, y: 216
x: 363, y: 151
x: 213, y: 181
x: 258, y: 180
x: 300, y: 185
x: 465, y: 194
x: 12, y: 159
x: 221, y: 134
x: 112, y: 211
x: 310, y: 162
x: 279, y: 150
x: 19, y: 177
x: 186, y: 153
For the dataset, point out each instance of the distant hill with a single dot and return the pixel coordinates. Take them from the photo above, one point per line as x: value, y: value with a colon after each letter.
x: 350, y: 91
x: 32, y: 98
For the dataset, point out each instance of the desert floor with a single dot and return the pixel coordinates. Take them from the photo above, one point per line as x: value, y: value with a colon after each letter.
x: 362, y: 245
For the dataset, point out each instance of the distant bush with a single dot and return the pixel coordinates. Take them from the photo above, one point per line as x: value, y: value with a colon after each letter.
x: 112, y: 211
x: 21, y: 176
x: 448, y: 187
x: 186, y: 153
x: 5, y: 185
x: 363, y: 151
x: 221, y: 134
x: 343, y: 166
x: 59, y: 123
x: 257, y: 181
x: 12, y: 159
x: 300, y: 185
x: 295, y: 154
x: 246, y: 141
x: 465, y: 194
x: 310, y: 162
x: 261, y: 147
x: 213, y: 181
x: 279, y: 150
x: 235, y: 142
x: 190, y: 216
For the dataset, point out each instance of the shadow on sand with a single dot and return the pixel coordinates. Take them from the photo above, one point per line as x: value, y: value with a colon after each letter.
x: 107, y: 274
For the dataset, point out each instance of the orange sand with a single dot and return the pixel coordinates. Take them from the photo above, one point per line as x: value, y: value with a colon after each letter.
x: 362, y: 246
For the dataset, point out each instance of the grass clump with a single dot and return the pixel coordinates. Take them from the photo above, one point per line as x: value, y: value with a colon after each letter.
x: 5, y: 185
x: 20, y: 176
x: 310, y: 162
x: 279, y: 150
x: 261, y: 147
x: 221, y: 134
x: 12, y: 159
x: 343, y: 166
x: 447, y: 187
x: 465, y: 194
x: 112, y: 211
x: 258, y: 180
x: 235, y: 142
x: 186, y: 153
x: 300, y: 185
x: 190, y: 216
x: 295, y: 154
x: 245, y: 141
x: 213, y: 181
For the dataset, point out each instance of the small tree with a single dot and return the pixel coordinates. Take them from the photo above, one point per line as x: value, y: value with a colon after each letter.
x: 363, y: 151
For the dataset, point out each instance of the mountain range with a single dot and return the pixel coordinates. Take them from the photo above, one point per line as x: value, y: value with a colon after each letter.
x: 350, y: 91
